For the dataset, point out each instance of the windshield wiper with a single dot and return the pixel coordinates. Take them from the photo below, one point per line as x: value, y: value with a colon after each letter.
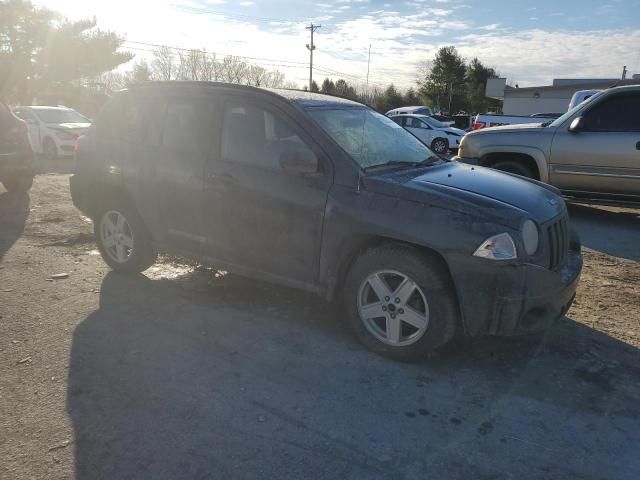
x: 427, y: 162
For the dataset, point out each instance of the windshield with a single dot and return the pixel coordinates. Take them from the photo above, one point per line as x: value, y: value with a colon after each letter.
x: 60, y: 116
x: 561, y: 119
x: 369, y: 138
x: 433, y: 122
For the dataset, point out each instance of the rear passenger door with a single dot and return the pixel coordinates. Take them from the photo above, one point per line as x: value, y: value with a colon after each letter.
x: 260, y: 215
x: 179, y: 147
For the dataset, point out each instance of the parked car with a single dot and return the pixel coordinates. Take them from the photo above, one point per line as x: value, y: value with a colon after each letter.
x: 485, y: 120
x: 592, y: 151
x: 418, y: 110
x: 53, y: 130
x: 326, y: 195
x: 16, y: 162
x: 439, y: 136
x: 580, y: 96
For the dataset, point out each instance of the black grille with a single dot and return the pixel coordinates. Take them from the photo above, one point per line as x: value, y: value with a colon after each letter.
x: 558, y: 242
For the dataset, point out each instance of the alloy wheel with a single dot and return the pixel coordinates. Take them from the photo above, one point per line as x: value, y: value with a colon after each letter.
x: 393, y: 308
x: 116, y: 236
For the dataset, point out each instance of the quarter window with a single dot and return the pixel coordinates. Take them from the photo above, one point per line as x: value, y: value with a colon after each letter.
x: 618, y: 114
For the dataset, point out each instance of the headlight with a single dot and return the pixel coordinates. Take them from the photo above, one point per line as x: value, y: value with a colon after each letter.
x: 498, y: 247
x: 65, y: 135
x: 530, y: 237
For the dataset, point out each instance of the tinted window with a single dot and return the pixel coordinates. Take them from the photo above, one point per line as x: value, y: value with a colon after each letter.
x: 187, y: 125
x: 620, y: 113
x: 254, y: 135
x: 130, y: 118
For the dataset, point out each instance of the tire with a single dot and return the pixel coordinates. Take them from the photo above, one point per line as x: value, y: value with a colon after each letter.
x: 516, y: 167
x: 49, y: 149
x: 18, y: 183
x: 432, y: 299
x: 123, y: 239
x: 440, y: 145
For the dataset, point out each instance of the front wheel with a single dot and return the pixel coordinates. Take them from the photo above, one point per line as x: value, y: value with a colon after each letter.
x: 123, y: 239
x: 440, y: 146
x: 18, y: 183
x: 400, y: 302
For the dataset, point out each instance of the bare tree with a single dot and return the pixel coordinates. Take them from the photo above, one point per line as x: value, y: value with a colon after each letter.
x: 164, y: 65
x: 234, y: 69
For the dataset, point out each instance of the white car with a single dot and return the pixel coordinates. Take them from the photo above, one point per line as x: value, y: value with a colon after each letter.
x: 418, y: 110
x: 53, y: 130
x: 437, y: 135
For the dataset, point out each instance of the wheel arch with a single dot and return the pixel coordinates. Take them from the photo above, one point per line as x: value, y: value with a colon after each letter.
x: 533, y: 157
x: 362, y: 244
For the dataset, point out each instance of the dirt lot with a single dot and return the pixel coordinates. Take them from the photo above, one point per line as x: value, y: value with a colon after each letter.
x: 182, y: 373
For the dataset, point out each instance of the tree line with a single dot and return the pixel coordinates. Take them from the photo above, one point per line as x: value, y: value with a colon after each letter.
x: 42, y: 52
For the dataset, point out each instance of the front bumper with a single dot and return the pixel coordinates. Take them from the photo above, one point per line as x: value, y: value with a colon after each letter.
x: 512, y: 299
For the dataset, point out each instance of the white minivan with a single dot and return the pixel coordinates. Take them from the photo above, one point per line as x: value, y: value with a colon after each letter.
x: 53, y: 130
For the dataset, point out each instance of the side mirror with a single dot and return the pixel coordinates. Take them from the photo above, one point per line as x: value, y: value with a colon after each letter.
x: 577, y: 125
x: 299, y: 162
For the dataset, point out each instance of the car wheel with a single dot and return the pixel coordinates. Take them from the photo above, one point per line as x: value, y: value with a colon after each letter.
x: 18, y: 183
x: 400, y: 302
x: 123, y: 239
x: 518, y: 168
x: 440, y: 145
x: 49, y: 149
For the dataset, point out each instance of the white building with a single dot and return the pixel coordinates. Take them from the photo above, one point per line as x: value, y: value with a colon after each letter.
x: 546, y: 99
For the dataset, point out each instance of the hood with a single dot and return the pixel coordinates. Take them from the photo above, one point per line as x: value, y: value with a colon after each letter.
x: 488, y: 191
x: 522, y: 127
x: 457, y: 131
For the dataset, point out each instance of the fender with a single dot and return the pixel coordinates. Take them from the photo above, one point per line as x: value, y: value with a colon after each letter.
x: 535, y: 153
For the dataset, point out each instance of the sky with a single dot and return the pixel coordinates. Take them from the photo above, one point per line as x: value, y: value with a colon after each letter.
x: 529, y: 43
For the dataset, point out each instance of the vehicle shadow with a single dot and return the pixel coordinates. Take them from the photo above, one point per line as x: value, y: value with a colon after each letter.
x: 202, y: 377
x: 14, y: 209
x: 615, y: 233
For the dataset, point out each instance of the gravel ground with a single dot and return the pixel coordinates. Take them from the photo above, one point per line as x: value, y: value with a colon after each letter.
x: 186, y: 373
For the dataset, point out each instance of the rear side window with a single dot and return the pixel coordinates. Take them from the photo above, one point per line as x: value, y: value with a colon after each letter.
x: 620, y: 113
x: 257, y: 136
x: 187, y: 124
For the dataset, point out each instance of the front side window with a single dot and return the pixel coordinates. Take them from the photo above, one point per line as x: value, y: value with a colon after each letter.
x: 257, y: 136
x: 369, y: 138
x: 620, y: 113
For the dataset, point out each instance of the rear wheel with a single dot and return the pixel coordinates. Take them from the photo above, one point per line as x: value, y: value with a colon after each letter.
x: 18, y: 183
x: 123, y: 239
x: 400, y: 302
x: 440, y: 145
x: 511, y: 166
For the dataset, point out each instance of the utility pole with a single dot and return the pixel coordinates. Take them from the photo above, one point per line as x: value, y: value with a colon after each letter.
x: 311, y: 47
x: 624, y: 72
x: 368, y: 64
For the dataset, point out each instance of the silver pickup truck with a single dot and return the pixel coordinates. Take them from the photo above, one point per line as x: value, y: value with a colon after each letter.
x: 591, y: 151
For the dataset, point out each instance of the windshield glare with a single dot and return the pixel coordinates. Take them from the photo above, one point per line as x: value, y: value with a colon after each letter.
x: 370, y: 138
x: 60, y: 116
